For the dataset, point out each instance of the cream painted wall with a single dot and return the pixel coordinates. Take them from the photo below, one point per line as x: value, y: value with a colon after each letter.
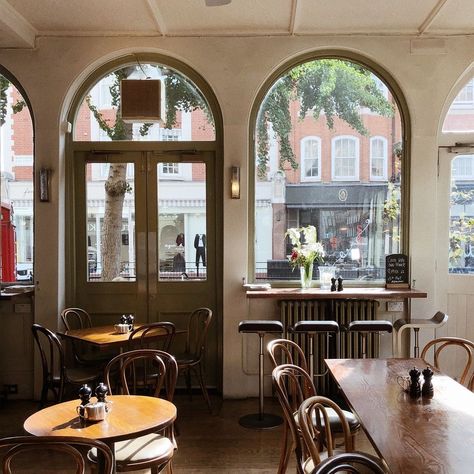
x: 235, y: 68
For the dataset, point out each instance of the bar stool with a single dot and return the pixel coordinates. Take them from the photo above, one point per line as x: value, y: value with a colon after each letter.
x: 400, y: 325
x: 260, y: 420
x: 366, y: 327
x: 311, y: 328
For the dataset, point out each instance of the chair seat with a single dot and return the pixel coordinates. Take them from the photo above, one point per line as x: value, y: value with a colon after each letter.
x: 308, y: 465
x: 81, y: 374
x: 151, y: 448
x: 370, y: 326
x: 315, y: 326
x: 259, y: 326
x: 335, y: 422
x: 185, y: 358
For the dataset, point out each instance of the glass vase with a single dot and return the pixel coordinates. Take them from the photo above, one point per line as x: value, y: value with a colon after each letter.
x: 306, y: 276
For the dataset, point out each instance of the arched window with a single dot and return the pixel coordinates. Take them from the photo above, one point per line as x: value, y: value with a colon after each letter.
x: 316, y: 165
x: 17, y: 184
x: 345, y: 159
x: 310, y: 159
x: 378, y: 159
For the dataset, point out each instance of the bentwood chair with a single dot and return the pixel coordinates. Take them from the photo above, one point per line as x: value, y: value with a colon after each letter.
x: 441, y: 343
x: 138, y: 337
x: 67, y: 446
x: 285, y: 351
x: 55, y: 373
x: 294, y: 385
x: 193, y: 357
x: 351, y: 463
x: 158, y: 372
x: 315, y: 425
x: 78, y: 318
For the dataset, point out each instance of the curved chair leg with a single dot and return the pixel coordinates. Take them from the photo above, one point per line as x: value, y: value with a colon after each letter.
x: 203, y: 387
x: 285, y: 450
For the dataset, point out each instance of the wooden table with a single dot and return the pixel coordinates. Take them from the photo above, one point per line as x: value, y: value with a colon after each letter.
x: 131, y: 416
x: 106, y: 336
x: 412, y: 435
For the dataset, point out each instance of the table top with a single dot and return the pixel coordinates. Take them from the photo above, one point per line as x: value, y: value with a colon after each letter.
x: 131, y: 416
x: 347, y: 293
x: 412, y: 435
x: 107, y: 336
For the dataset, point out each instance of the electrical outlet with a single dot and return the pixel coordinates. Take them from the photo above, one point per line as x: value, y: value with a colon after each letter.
x: 395, y: 306
x: 12, y: 389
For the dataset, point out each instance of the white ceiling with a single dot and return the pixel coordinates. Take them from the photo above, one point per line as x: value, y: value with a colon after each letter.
x: 23, y: 21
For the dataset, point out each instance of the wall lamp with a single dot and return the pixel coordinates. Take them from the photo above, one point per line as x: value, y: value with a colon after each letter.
x: 235, y: 182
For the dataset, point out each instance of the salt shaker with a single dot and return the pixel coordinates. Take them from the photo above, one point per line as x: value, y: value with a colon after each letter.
x: 333, y: 284
x: 85, y: 393
x: 427, y: 389
x: 339, y: 284
x: 130, y: 321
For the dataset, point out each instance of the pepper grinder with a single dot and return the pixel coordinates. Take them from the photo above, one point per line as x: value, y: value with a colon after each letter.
x: 339, y: 284
x: 124, y: 319
x: 415, y: 389
x: 85, y: 393
x: 427, y: 389
x: 333, y: 284
x: 130, y: 321
x: 101, y: 391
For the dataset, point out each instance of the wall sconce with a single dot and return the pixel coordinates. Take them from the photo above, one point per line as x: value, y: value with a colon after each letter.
x: 235, y: 182
x: 44, y: 180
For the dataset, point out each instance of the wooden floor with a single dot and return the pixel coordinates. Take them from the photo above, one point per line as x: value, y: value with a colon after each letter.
x: 207, y: 443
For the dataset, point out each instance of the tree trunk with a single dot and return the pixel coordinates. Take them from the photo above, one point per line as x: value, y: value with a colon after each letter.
x: 111, y: 244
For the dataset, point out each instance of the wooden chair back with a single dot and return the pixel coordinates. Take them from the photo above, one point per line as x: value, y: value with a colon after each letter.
x: 76, y: 318
x: 351, y: 463
x: 196, y: 337
x: 140, y: 371
x: 313, y: 420
x: 293, y: 385
x: 284, y: 351
x: 441, y: 343
x: 138, y: 337
x: 52, y: 356
x: 66, y: 445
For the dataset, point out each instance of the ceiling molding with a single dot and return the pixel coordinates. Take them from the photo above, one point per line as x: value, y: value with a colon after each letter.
x: 431, y: 16
x: 14, y: 23
x: 157, y: 17
x: 294, y: 13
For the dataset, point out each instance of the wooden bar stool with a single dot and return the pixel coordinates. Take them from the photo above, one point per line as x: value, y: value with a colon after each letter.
x: 367, y: 327
x: 311, y: 328
x: 400, y: 325
x: 260, y: 420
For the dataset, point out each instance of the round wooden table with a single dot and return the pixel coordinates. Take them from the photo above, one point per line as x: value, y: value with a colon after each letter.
x: 131, y: 416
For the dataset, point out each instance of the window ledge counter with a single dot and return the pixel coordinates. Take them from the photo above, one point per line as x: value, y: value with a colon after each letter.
x: 347, y: 293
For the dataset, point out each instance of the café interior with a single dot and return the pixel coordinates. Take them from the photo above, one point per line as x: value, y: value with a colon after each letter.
x: 237, y: 236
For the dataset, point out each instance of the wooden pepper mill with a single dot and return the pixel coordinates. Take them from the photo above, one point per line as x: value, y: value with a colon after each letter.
x: 427, y: 389
x: 415, y: 388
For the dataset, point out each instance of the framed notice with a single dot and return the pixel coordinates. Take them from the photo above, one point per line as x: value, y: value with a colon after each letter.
x: 396, y: 271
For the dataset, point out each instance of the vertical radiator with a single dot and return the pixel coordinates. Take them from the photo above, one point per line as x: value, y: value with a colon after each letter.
x: 341, y: 311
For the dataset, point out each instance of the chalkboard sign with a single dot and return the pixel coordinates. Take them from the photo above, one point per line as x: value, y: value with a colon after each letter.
x: 396, y: 271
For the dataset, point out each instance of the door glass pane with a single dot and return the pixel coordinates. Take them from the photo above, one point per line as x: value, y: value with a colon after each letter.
x: 182, y: 229
x: 110, y: 195
x: 461, y: 219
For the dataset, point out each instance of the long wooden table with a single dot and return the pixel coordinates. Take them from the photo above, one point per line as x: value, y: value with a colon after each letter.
x: 412, y: 435
x: 131, y: 416
x: 107, y: 336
